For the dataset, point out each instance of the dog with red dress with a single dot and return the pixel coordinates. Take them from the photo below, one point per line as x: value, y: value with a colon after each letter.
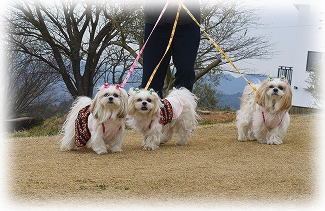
x: 158, y: 119
x: 99, y: 123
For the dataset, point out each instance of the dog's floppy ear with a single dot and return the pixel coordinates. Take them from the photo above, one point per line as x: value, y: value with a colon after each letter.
x: 93, y: 107
x: 286, y: 100
x: 260, y: 97
x: 124, y: 103
x: 131, y: 100
x: 157, y: 103
x: 131, y: 105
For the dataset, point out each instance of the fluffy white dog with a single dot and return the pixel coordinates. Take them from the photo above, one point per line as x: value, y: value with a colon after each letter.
x: 98, y: 123
x: 158, y: 119
x: 263, y: 115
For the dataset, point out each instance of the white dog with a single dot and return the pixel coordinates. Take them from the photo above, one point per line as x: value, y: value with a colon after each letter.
x: 97, y: 123
x: 158, y: 119
x: 263, y: 115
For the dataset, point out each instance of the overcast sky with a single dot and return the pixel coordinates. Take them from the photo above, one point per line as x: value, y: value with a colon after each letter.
x: 294, y: 27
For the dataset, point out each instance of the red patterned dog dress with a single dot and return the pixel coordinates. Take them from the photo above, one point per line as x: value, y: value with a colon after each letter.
x: 82, y: 133
x: 171, y: 109
x: 166, y: 112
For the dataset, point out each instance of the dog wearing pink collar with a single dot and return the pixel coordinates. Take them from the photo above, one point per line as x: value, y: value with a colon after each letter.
x: 263, y: 115
x: 99, y: 123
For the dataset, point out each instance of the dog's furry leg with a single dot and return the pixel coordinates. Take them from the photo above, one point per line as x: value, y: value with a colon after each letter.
x: 273, y: 138
x: 184, y: 135
x: 97, y: 143
x: 250, y: 135
x: 166, y: 136
x: 276, y: 135
x: 242, y: 125
x: 242, y: 131
x: 151, y: 142
x: 116, y: 144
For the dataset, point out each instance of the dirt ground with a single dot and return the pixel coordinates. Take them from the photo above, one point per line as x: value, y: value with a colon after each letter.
x: 213, y: 166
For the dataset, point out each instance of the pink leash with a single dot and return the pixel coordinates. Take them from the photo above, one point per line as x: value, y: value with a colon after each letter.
x: 129, y: 73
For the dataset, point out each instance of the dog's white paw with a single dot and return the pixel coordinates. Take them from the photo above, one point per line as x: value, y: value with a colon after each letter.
x: 242, y: 138
x: 274, y: 141
x: 101, y: 151
x: 163, y: 141
x: 181, y: 142
x: 150, y: 147
x: 251, y: 136
x: 116, y: 149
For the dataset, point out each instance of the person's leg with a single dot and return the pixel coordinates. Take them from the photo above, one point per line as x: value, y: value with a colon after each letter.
x: 152, y: 54
x: 184, y: 51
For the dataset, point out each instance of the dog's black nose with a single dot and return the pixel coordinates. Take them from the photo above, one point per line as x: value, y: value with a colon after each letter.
x: 144, y: 103
x: 110, y: 98
x: 275, y: 90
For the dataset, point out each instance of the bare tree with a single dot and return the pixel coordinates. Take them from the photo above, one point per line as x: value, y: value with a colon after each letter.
x: 68, y: 36
x: 118, y: 62
x: 30, y: 83
x: 87, y: 42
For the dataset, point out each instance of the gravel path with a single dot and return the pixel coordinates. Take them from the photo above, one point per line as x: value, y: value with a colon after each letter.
x: 214, y: 166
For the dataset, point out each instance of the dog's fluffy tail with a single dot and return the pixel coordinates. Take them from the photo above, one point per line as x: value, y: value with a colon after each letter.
x: 190, y: 102
x: 247, y: 106
x: 68, y: 129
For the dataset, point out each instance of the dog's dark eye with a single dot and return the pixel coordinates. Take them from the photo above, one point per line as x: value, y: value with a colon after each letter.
x: 149, y: 100
x: 280, y: 87
x: 271, y: 86
x: 139, y: 100
x: 106, y: 95
x: 115, y: 95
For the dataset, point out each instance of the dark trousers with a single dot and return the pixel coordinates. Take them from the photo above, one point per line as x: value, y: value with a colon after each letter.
x: 183, y: 51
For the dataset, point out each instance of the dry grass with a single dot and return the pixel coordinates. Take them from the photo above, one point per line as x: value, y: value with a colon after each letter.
x: 217, y: 117
x: 48, y: 127
x: 213, y: 166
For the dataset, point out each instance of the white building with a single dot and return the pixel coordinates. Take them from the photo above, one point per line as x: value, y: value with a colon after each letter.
x: 307, y: 15
x: 301, y: 97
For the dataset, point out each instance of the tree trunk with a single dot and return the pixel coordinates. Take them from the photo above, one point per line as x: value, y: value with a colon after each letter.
x: 84, y: 87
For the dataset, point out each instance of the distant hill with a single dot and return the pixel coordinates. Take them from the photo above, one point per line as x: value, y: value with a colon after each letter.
x: 229, y: 100
x: 230, y: 89
x: 229, y: 84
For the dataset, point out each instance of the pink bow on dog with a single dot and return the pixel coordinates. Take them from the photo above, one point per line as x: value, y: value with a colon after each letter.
x: 106, y: 85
